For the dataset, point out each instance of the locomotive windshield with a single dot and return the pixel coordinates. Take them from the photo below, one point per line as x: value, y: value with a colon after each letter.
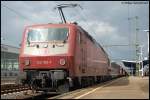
x: 47, y: 34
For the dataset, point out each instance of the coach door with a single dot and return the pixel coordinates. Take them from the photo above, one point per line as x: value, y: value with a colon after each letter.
x: 84, y: 52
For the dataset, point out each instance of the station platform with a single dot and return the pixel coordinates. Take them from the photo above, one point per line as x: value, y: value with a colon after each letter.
x: 121, y: 88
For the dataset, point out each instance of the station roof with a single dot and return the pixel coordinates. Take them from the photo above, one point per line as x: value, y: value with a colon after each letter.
x: 133, y: 63
x: 9, y: 48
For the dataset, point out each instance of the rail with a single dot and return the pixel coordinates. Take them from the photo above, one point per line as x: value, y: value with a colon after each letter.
x: 10, y: 88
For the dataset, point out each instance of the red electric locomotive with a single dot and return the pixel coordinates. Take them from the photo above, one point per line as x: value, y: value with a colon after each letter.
x: 57, y: 57
x: 54, y: 55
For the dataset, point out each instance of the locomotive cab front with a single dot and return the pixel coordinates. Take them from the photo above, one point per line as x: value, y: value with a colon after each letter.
x: 45, y: 55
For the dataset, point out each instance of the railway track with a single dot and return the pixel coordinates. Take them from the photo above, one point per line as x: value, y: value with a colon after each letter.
x: 10, y: 88
x: 17, y: 91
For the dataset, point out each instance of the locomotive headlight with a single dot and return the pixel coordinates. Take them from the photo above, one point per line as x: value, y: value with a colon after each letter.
x: 27, y: 62
x: 62, y: 61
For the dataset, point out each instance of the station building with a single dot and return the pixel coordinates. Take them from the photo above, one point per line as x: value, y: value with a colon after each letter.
x: 9, y: 60
x: 131, y: 65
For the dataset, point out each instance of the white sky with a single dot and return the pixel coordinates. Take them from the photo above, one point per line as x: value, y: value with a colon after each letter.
x: 106, y: 21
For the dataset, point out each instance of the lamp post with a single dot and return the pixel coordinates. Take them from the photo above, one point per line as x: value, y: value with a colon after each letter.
x: 147, y: 31
x: 135, y: 19
x: 141, y: 60
x: 141, y: 53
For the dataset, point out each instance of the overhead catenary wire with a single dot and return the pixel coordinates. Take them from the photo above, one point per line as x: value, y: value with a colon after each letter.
x: 86, y: 22
x: 14, y: 11
x: 106, y: 46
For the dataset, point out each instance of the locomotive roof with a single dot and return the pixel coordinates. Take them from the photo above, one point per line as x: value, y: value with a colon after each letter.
x: 49, y: 24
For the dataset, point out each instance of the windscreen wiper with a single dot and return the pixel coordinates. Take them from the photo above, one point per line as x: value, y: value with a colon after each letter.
x: 65, y: 40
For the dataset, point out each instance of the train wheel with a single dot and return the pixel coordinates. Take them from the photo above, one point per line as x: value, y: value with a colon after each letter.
x: 33, y: 86
x: 63, y: 88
